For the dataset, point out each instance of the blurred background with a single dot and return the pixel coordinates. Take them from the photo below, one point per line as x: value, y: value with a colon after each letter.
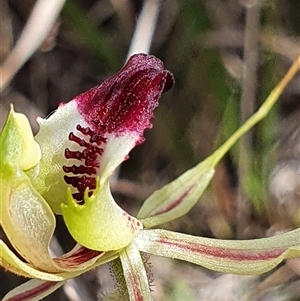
x: 226, y: 57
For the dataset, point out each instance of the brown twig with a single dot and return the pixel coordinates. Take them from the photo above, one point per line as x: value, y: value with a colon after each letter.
x: 247, y: 107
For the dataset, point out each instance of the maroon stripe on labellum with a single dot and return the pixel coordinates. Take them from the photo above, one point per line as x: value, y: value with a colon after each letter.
x: 222, y: 253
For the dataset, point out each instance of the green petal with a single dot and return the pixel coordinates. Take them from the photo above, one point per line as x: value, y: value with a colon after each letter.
x: 100, y: 224
x: 17, y: 146
x: 178, y: 197
x: 33, y: 290
x: 24, y: 215
x: 135, y: 274
x: 27, y: 220
x: 12, y: 263
x: 246, y: 257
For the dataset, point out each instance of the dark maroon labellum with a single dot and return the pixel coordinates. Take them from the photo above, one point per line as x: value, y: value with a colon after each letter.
x: 124, y: 103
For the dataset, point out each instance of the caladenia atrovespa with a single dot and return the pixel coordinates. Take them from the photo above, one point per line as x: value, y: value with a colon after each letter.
x: 65, y: 169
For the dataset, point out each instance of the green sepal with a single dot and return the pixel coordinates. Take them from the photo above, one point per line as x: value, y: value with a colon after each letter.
x: 135, y: 274
x: 178, y: 197
x: 17, y: 145
x: 244, y: 257
x: 27, y: 220
x: 24, y: 215
x: 36, y: 289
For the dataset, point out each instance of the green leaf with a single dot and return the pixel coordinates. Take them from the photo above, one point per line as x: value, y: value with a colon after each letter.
x: 246, y: 257
x: 90, y: 34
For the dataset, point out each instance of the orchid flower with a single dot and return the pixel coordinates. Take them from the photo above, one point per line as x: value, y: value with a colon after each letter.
x: 65, y: 169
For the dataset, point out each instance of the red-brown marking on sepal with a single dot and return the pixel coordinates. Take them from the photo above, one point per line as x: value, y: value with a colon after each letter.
x: 34, y: 292
x: 74, y: 259
x: 222, y: 253
x: 175, y: 202
x: 135, y: 285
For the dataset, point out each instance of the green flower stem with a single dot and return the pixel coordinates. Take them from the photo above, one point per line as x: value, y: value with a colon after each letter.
x: 260, y: 114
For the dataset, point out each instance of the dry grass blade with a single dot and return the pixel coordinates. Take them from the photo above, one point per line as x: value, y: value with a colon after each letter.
x: 142, y: 38
x: 36, y: 30
x: 247, y: 107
